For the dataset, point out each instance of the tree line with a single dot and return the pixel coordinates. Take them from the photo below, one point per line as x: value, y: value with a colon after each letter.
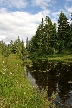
x: 16, y: 47
x: 48, y: 40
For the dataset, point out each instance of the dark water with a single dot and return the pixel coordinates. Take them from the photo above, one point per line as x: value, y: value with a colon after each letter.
x: 57, y: 76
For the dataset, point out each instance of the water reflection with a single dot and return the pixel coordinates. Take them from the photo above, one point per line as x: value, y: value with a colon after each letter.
x: 56, y: 75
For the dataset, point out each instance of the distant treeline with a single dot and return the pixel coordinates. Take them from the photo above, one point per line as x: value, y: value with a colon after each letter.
x: 16, y: 47
x: 48, y: 40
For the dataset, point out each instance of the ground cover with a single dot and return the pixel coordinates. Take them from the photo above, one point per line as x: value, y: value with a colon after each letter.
x: 16, y: 91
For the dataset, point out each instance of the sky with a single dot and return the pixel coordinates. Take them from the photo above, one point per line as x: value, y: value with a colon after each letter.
x: 22, y: 17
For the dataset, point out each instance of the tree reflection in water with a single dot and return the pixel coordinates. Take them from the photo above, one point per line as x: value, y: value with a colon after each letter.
x: 56, y: 75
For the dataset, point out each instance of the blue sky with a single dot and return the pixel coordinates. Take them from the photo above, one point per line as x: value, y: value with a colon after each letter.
x: 22, y: 17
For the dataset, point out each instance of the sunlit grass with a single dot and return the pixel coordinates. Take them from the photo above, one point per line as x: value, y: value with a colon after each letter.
x: 15, y: 90
x: 57, y: 57
x: 64, y: 58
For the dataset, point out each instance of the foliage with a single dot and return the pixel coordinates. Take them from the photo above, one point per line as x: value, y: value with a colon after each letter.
x: 16, y: 47
x: 63, y: 33
x: 50, y: 41
x: 16, y: 92
x: 27, y: 44
x: 63, y: 58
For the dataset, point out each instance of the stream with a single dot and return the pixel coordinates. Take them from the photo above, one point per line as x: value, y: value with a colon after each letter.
x: 56, y: 75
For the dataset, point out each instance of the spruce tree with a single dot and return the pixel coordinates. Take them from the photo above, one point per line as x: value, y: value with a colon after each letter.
x: 70, y: 40
x: 63, y: 32
x: 27, y: 44
x: 51, y: 35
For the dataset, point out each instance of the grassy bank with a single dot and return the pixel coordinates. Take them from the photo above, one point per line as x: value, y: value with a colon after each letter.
x: 16, y: 91
x: 63, y: 58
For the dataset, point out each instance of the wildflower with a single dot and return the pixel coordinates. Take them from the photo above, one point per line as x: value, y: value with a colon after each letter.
x: 4, y: 69
x: 3, y: 73
x: 10, y: 73
x: 3, y: 61
x: 16, y: 102
x: 33, y: 86
x: 17, y: 82
x: 17, y: 64
x: 24, y: 93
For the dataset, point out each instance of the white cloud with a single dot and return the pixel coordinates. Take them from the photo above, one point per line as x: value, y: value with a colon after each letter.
x: 3, y: 10
x: 46, y: 12
x: 42, y: 3
x: 14, y: 24
x: 68, y: 9
x: 14, y: 3
x: 56, y: 14
x: 2, y: 37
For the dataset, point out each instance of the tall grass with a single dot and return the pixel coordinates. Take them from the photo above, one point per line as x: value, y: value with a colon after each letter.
x: 63, y: 58
x: 15, y: 90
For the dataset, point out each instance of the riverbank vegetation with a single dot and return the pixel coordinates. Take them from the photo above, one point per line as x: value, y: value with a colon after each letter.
x: 58, y: 57
x: 50, y: 39
x: 63, y: 58
x: 15, y: 89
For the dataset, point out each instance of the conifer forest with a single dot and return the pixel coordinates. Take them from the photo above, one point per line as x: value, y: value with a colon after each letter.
x: 50, y: 39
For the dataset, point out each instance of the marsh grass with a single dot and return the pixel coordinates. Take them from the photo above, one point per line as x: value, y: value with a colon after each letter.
x: 63, y: 58
x: 15, y: 89
x: 60, y: 58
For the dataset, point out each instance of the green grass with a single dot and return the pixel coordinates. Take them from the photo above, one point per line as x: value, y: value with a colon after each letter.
x: 15, y: 89
x: 63, y: 58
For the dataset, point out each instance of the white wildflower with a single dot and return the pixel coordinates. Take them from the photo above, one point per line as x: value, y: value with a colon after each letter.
x: 17, y: 64
x: 3, y: 61
x: 33, y: 86
x: 10, y: 73
x: 4, y: 69
x: 24, y: 93
x: 16, y: 102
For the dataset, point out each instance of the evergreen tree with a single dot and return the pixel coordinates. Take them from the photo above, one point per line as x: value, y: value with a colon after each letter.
x: 23, y: 48
x: 11, y: 46
x: 43, y: 43
x: 51, y: 36
x: 70, y: 40
x: 18, y: 47
x: 36, y: 42
x: 27, y: 44
x: 63, y: 32
x: 1, y: 47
